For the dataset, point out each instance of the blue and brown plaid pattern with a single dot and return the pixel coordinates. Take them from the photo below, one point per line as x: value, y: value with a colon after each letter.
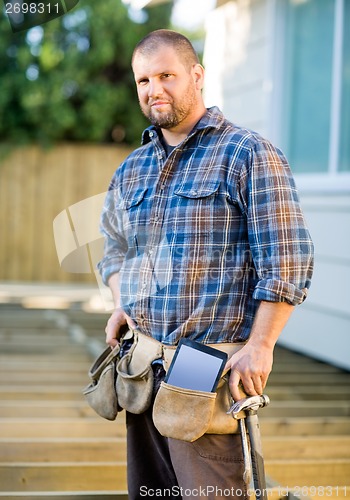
x: 201, y: 236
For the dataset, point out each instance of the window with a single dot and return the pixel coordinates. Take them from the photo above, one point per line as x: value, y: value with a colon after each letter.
x: 317, y: 86
x: 345, y: 116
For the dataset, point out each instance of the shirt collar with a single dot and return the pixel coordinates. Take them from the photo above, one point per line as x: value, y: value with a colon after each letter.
x: 213, y: 118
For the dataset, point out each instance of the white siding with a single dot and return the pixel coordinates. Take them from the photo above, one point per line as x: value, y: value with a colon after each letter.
x: 321, y: 326
x: 237, y: 61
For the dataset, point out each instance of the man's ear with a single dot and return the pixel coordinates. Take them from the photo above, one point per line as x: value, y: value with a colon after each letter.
x: 198, y: 75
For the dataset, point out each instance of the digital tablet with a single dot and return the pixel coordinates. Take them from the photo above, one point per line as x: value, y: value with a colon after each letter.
x: 196, y: 366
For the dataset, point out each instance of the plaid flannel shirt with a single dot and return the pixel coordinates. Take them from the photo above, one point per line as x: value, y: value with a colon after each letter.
x: 202, y: 236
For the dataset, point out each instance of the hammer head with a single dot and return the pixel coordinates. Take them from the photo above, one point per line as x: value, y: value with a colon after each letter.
x: 252, y: 403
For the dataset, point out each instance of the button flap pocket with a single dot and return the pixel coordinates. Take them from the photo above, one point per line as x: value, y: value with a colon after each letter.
x: 198, y: 191
x: 134, y: 198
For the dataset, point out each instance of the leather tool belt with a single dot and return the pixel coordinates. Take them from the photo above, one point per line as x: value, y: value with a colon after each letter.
x: 127, y: 382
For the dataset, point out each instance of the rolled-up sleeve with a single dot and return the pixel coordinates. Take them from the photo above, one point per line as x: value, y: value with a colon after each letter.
x: 115, y: 246
x: 280, y: 242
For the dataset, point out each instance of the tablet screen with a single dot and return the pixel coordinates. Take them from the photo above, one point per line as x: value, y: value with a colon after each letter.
x: 196, y: 366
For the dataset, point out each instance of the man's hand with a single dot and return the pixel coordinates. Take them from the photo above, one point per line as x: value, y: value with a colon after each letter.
x: 116, y: 326
x: 119, y: 321
x: 250, y: 367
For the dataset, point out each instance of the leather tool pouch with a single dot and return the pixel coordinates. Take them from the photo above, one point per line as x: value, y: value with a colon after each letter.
x: 187, y: 414
x: 134, y: 382
x: 100, y: 393
x: 182, y: 413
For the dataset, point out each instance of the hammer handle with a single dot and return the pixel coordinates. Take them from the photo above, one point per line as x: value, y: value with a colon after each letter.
x: 257, y: 456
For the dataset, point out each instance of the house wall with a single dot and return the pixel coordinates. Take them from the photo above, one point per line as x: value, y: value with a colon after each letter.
x: 237, y: 62
x: 320, y: 327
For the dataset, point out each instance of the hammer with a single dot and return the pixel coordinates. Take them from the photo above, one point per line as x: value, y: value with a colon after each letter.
x: 246, y: 412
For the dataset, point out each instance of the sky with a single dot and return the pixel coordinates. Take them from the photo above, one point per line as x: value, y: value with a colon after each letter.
x: 187, y: 14
x: 190, y: 14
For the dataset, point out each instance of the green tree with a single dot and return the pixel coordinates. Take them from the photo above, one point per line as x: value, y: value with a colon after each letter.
x: 70, y: 79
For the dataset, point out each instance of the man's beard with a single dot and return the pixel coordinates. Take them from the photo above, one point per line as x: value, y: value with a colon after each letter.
x: 176, y: 115
x: 166, y: 120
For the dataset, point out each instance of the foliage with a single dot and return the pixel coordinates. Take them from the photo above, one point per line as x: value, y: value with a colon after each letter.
x: 70, y: 79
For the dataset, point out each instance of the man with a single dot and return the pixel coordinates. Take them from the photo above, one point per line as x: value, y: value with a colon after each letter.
x: 205, y: 239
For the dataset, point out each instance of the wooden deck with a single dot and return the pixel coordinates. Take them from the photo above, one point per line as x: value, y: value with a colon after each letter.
x: 53, y: 446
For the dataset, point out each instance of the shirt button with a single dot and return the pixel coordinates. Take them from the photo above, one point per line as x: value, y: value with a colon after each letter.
x: 162, y: 187
x: 151, y: 134
x: 160, y: 156
x: 193, y: 192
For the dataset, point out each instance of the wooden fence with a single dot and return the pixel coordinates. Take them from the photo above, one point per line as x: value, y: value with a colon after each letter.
x: 35, y: 186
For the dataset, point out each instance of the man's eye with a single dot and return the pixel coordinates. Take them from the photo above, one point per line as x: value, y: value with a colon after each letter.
x: 143, y: 81
x: 166, y: 75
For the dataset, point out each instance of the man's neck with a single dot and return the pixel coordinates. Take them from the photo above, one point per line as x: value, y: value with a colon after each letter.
x: 173, y: 138
x: 179, y: 133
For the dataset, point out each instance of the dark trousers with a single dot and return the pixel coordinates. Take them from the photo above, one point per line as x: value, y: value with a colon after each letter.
x: 209, y: 468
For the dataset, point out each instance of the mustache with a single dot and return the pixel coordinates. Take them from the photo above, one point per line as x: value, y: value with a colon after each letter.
x: 155, y: 101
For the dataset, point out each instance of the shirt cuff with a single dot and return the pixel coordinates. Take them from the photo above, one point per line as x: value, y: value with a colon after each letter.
x: 279, y: 291
x: 109, y: 266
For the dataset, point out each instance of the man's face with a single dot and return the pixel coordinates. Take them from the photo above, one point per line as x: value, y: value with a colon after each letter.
x: 166, y: 89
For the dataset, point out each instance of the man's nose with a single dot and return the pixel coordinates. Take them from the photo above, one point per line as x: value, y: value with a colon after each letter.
x: 155, y: 88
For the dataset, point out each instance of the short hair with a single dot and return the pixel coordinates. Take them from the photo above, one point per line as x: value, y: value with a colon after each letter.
x: 154, y: 40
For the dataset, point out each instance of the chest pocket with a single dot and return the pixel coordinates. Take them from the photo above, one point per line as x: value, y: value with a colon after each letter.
x: 197, y: 208
x: 133, y: 211
x: 198, y: 192
x: 133, y: 199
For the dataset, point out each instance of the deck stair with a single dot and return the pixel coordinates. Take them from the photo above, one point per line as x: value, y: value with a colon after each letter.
x: 53, y: 446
